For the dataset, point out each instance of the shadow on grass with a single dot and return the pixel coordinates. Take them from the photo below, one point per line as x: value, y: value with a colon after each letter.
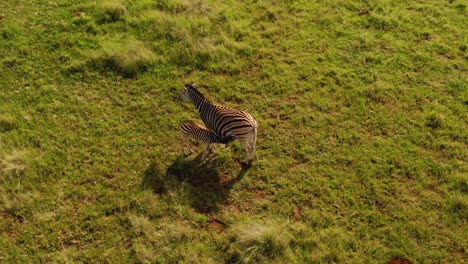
x: 203, y: 185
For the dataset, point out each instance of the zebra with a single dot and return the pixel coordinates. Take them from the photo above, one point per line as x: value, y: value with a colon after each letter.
x: 224, y: 121
x: 191, y: 130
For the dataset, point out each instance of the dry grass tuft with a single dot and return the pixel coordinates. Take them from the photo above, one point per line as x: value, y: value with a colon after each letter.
x: 259, y: 242
x: 111, y: 11
x: 14, y: 162
x: 161, y: 236
x: 127, y: 57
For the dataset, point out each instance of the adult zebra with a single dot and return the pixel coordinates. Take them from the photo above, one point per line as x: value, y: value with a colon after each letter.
x: 224, y: 121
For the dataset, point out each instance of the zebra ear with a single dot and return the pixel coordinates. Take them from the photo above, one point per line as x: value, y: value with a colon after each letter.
x: 193, y: 85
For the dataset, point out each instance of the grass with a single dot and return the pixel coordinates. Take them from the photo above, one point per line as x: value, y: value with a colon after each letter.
x: 361, y: 153
x: 125, y: 57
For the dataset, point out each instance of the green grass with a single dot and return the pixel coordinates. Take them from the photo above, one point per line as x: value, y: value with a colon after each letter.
x: 361, y: 152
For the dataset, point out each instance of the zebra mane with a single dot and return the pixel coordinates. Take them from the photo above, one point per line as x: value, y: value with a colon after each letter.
x: 192, y: 88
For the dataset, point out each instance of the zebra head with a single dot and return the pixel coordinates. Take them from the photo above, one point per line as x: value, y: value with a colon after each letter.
x: 184, y: 96
x: 188, y: 91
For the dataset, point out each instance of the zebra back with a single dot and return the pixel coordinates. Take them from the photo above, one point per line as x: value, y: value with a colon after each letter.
x: 223, y: 120
x: 200, y: 133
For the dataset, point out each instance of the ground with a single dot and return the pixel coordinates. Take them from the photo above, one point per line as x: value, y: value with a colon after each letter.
x: 361, y: 154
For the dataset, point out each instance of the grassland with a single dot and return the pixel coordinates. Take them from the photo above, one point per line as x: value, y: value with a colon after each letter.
x: 361, y: 153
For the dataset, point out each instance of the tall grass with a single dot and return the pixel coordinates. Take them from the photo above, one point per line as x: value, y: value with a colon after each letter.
x: 126, y: 57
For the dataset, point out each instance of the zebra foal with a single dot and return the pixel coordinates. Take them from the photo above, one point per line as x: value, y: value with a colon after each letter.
x: 224, y: 121
x: 191, y: 130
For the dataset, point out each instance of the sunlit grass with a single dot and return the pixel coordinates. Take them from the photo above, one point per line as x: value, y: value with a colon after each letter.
x: 127, y: 57
x: 361, y: 151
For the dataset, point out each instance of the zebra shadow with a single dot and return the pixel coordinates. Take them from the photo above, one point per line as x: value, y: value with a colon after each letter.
x: 199, y: 184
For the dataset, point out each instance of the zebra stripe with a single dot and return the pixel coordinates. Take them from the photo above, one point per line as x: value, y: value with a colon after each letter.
x: 224, y: 121
x: 191, y: 130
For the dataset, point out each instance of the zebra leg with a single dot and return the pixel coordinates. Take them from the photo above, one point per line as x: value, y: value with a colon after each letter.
x: 252, y: 141
x: 211, y: 148
x: 249, y: 146
x: 251, y: 152
x: 206, y: 147
x: 248, y: 151
x: 186, y: 145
